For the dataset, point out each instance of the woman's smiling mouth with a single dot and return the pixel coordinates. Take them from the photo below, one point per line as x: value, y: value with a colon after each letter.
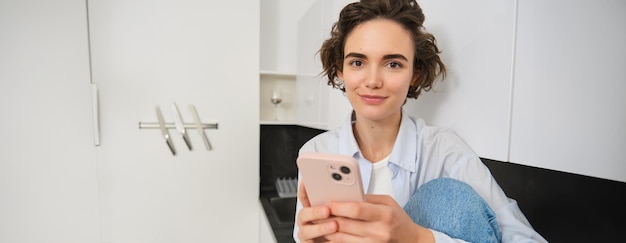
x: 373, y: 99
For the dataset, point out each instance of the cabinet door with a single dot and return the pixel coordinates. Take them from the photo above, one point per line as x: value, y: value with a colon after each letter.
x: 148, y: 54
x: 319, y: 105
x: 568, y: 108
x: 475, y: 97
x: 308, y: 83
x: 48, y: 185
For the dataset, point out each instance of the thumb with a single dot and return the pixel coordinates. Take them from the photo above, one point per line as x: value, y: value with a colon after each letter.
x: 380, y: 199
x: 304, y: 198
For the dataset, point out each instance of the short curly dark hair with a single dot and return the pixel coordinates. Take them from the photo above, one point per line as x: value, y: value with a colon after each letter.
x: 427, y: 63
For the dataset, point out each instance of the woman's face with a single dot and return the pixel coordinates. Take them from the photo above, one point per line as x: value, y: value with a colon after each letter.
x: 377, y: 69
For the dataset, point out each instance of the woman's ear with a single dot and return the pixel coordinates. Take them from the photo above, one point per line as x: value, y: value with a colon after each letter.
x: 339, y: 75
x: 416, y: 76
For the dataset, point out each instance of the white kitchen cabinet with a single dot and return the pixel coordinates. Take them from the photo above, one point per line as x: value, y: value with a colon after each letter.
x: 152, y: 53
x: 568, y: 107
x: 285, y: 112
x: 474, y: 99
x: 48, y: 173
x: 291, y: 34
x: 524, y: 85
x: 278, y: 25
x: 319, y: 105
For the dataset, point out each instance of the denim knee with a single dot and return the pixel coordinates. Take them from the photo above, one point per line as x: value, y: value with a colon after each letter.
x: 455, y: 208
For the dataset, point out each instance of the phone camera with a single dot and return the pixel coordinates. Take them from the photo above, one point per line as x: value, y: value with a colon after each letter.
x: 345, y: 170
x: 336, y: 176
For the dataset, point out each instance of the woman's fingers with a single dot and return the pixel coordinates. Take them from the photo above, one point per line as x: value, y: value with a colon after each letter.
x: 304, y: 198
x: 361, y: 229
x: 371, y: 219
x: 345, y: 238
x: 380, y: 218
x: 315, y: 222
x: 309, y: 215
x: 375, y: 208
x: 315, y: 231
x: 358, y: 211
x: 380, y: 199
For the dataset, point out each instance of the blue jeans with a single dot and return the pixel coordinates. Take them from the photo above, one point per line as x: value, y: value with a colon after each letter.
x: 454, y: 208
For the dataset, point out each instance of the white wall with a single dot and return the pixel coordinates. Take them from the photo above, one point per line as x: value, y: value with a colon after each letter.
x: 279, y: 20
x: 569, y: 108
x: 48, y: 185
x: 476, y: 40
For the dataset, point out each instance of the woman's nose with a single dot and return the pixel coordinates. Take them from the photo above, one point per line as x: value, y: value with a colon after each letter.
x: 374, y: 79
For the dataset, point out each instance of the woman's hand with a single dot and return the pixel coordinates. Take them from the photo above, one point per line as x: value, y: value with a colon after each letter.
x: 379, y: 219
x: 313, y: 222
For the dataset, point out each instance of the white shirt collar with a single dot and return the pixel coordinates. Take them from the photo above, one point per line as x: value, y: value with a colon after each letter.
x: 402, y: 154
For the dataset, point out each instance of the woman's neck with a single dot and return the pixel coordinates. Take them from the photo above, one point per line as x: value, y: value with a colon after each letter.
x: 376, y: 138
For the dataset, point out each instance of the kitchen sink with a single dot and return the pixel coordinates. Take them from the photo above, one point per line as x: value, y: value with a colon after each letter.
x: 281, y: 210
x: 284, y: 207
x: 280, y: 213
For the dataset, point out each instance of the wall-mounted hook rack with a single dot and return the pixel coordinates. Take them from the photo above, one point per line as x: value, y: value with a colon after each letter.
x: 165, y: 126
x: 171, y: 125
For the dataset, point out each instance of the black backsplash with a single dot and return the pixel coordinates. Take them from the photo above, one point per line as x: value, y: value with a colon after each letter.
x: 562, y: 207
x: 565, y: 207
x: 279, y: 150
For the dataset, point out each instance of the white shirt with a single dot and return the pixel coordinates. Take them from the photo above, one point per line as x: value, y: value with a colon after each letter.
x: 422, y: 153
x: 380, y: 181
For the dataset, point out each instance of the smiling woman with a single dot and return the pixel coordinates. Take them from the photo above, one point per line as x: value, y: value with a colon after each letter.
x: 376, y: 71
x: 418, y: 177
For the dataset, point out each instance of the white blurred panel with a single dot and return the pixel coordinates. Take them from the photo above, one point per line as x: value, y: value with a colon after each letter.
x: 476, y: 40
x: 48, y: 172
x: 569, y: 106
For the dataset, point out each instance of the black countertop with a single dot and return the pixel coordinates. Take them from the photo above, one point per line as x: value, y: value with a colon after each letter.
x: 279, y: 213
x: 279, y: 150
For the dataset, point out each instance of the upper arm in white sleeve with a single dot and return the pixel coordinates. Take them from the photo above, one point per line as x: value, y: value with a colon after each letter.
x: 514, y: 225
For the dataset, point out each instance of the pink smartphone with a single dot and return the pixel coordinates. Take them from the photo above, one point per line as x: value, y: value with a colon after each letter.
x: 330, y: 177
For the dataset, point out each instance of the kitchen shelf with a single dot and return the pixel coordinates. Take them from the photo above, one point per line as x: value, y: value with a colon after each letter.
x: 278, y: 122
x: 266, y: 73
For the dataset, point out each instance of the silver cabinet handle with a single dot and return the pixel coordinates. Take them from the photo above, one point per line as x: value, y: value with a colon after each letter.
x: 180, y: 125
x: 164, y: 131
x: 196, y: 118
x: 95, y: 111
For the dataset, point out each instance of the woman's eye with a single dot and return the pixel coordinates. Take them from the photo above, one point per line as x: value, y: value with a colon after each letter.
x: 356, y: 63
x: 395, y: 65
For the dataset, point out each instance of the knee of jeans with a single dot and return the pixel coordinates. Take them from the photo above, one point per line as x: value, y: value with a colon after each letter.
x: 448, y: 190
x: 440, y: 185
x: 442, y: 203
